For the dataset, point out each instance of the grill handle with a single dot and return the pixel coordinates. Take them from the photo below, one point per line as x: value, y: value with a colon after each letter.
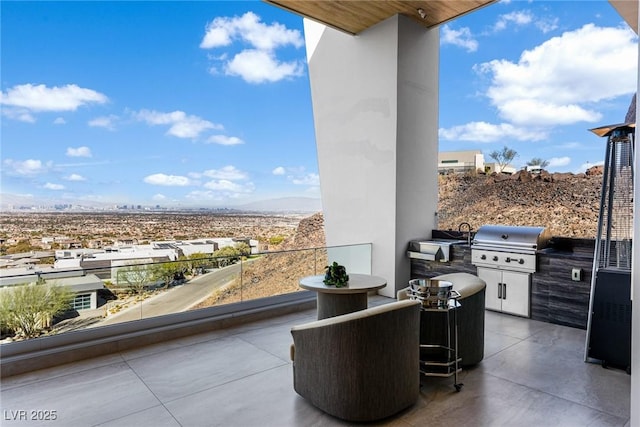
x: 499, y: 290
x: 499, y: 244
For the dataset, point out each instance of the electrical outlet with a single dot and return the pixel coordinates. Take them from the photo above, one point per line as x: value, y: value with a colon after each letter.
x: 576, y: 274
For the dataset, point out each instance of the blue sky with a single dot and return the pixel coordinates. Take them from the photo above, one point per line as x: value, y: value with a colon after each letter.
x: 208, y: 103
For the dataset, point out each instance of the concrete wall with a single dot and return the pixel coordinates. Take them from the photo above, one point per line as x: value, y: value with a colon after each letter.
x: 375, y: 104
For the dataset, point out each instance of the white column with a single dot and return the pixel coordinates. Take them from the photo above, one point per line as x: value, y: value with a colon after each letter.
x: 375, y: 105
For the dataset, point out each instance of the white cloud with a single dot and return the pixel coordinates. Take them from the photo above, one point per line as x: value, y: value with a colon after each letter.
x: 75, y: 177
x: 312, y: 179
x: 224, y: 183
x: 525, y: 17
x: 43, y: 98
x: 180, y: 124
x: 51, y: 186
x: 216, y: 35
x: 26, y: 167
x: 159, y: 197
x: 59, y: 121
x: 539, y: 112
x: 559, y: 161
x: 107, y: 122
x: 487, y: 132
x: 547, y: 25
x: 19, y: 114
x: 518, y: 18
x: 258, y: 63
x: 249, y: 28
x: 562, y: 80
x: 229, y: 186
x: 461, y: 38
x: 258, y: 66
x: 167, y: 180
x: 224, y: 140
x: 79, y: 152
x: 278, y: 171
x: 230, y: 173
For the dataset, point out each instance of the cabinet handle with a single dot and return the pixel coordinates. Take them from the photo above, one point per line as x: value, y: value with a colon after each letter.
x: 504, y: 291
x: 499, y: 290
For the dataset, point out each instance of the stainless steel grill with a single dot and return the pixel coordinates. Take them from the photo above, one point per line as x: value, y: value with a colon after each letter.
x: 508, y: 247
x: 505, y: 257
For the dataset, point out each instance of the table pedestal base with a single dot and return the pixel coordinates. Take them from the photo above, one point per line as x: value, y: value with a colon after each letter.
x: 330, y: 305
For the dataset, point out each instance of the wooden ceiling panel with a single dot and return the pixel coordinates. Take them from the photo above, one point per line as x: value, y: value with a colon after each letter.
x: 354, y: 16
x: 628, y: 9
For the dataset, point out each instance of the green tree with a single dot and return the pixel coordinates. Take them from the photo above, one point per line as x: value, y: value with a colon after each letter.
x: 29, y: 308
x: 537, y: 161
x: 503, y: 157
x: 196, y: 261
x: 136, y: 277
x: 167, y: 271
x: 226, y: 255
x: 243, y: 248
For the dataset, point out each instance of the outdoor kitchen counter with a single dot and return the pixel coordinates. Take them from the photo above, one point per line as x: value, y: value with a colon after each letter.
x: 555, y: 297
x: 570, y: 248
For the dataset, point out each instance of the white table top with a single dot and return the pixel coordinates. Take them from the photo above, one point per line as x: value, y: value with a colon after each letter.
x: 358, y: 283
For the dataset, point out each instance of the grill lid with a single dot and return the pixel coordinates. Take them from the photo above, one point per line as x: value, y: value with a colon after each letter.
x: 508, y: 237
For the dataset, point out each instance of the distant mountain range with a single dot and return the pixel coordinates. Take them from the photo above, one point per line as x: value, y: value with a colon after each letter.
x: 13, y: 202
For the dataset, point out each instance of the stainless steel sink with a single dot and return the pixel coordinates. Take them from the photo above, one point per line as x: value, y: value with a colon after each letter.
x: 432, y: 249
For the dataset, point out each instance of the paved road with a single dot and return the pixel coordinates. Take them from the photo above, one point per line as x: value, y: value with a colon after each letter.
x: 176, y: 299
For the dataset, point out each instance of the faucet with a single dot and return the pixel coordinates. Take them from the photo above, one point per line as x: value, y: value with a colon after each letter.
x: 468, y: 231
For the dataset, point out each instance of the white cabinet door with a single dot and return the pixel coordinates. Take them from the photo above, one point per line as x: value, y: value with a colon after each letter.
x: 493, y: 277
x: 507, y: 291
x: 515, y: 292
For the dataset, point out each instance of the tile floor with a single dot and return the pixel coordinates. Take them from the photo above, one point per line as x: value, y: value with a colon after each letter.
x: 533, y: 374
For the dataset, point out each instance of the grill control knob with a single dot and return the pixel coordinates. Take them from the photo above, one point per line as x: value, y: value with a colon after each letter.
x: 483, y: 256
x: 495, y: 257
x: 508, y: 259
x: 521, y: 261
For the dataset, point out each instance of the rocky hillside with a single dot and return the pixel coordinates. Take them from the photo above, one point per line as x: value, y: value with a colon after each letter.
x: 565, y: 203
x: 309, y: 234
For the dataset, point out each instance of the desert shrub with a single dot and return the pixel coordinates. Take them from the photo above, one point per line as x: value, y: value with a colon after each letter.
x: 276, y: 240
x: 28, y: 309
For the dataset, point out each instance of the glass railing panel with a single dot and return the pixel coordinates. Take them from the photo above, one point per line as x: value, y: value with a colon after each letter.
x: 129, y: 291
x: 355, y: 258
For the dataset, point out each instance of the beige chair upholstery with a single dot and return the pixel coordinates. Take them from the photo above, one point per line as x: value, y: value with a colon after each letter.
x: 470, y: 317
x: 361, y: 366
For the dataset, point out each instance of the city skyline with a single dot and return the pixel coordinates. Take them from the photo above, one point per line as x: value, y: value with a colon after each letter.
x: 208, y: 103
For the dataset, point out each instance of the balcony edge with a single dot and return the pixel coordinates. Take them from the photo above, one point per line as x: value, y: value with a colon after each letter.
x: 45, y: 352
